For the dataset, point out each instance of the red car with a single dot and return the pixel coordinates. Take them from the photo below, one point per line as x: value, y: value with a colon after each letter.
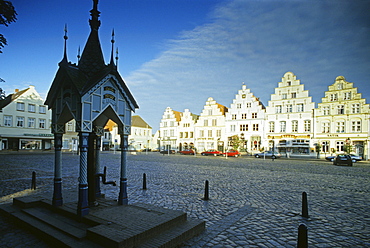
x: 232, y: 153
x: 187, y: 151
x: 211, y: 152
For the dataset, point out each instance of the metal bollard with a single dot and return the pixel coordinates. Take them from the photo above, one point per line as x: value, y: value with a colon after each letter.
x: 33, y: 184
x: 304, y: 205
x: 302, y: 236
x: 144, y: 181
x: 206, y: 191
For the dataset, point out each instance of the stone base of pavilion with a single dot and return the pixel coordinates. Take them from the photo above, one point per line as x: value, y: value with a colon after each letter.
x: 107, y: 225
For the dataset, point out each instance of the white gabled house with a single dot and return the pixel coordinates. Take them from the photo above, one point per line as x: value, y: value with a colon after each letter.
x: 245, y: 121
x: 169, y: 129
x: 186, y: 130
x: 289, y: 118
x: 210, y: 127
x: 342, y: 120
x: 25, y: 121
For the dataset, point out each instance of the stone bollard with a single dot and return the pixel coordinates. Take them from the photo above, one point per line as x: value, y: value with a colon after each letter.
x: 302, y: 236
x: 206, y: 191
x: 33, y: 184
x: 304, y: 205
x: 144, y: 181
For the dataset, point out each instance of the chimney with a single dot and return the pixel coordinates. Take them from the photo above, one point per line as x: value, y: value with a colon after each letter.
x: 16, y: 90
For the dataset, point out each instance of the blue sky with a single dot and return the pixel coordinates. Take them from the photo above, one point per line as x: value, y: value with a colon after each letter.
x: 177, y: 53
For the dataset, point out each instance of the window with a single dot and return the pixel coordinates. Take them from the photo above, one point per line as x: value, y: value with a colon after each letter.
x: 31, y: 108
x: 244, y: 127
x: 254, y: 115
x: 326, y: 110
x: 284, y: 96
x: 20, y: 121
x: 340, y: 146
x: 278, y: 109
x: 8, y: 121
x: 356, y: 126
x: 31, y: 122
x: 325, y: 146
x: 326, y: 127
x: 340, y: 109
x: 214, y: 122
x: 356, y: 108
x: 205, y: 123
x: 42, y: 109
x: 289, y: 108
x: 181, y: 135
x: 244, y: 116
x: 347, y: 95
x: 294, y: 126
x: 300, y: 107
x: 201, y: 133
x: 333, y: 97
x: 340, y: 86
x: 289, y: 83
x: 271, y: 127
x: 218, y: 133
x: 307, y: 126
x: 255, y: 127
x: 165, y: 133
x: 232, y: 128
x: 186, y: 135
x: 340, y: 127
x: 172, y: 133
x: 282, y: 127
x: 70, y: 126
x: 172, y: 123
x: 210, y: 112
x: 210, y: 133
x: 294, y: 95
x: 249, y: 105
x: 42, y: 123
x: 191, y: 135
x: 20, y: 106
x: 233, y: 116
x: 239, y: 105
x: 165, y: 124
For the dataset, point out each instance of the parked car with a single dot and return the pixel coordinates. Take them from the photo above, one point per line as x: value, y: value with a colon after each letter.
x: 231, y: 153
x: 355, y: 157
x: 187, y: 152
x: 168, y: 152
x: 330, y: 158
x: 268, y: 154
x: 212, y: 152
x: 343, y: 159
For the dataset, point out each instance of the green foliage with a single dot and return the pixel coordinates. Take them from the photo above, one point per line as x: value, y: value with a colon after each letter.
x: 7, y: 16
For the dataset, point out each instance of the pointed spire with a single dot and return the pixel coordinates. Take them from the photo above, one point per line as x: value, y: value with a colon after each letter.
x: 78, y: 55
x: 94, y: 21
x: 65, y: 60
x: 117, y: 57
x: 92, y: 59
x: 111, y: 55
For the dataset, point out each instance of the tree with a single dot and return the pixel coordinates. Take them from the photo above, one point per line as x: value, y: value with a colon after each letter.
x: 7, y: 16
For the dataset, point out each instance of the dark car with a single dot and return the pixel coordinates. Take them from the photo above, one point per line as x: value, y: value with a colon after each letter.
x: 268, y: 154
x: 330, y: 158
x: 231, y: 153
x: 343, y: 159
x: 187, y: 152
x: 168, y: 152
x: 212, y: 152
x: 355, y: 157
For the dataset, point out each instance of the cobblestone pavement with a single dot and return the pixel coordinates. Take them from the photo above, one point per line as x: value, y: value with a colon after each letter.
x: 253, y: 202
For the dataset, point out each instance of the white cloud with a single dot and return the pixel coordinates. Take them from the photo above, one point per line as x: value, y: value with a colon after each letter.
x: 254, y: 42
